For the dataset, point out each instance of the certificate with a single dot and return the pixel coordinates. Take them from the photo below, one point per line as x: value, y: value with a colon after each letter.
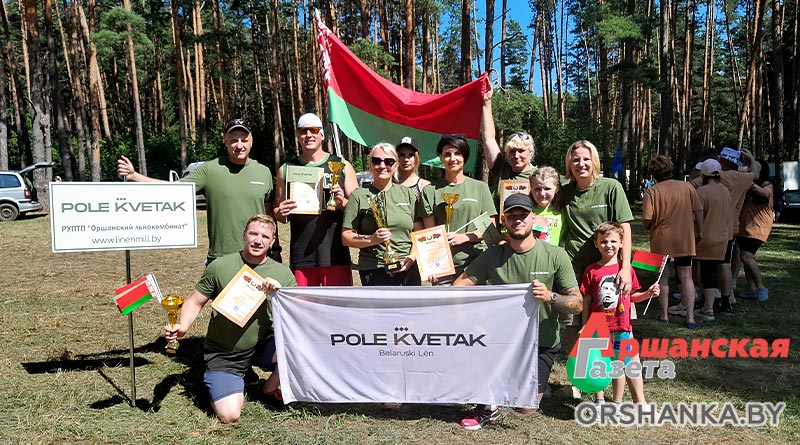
x: 305, y: 188
x: 509, y: 187
x: 242, y: 296
x: 432, y: 252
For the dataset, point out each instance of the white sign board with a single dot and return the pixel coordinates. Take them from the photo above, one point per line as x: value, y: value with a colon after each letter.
x: 87, y: 216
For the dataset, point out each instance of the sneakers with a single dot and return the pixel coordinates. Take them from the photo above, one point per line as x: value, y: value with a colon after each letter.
x: 762, y: 294
x: 677, y: 309
x: 749, y: 294
x: 725, y: 307
x: 704, y: 315
x: 483, y: 415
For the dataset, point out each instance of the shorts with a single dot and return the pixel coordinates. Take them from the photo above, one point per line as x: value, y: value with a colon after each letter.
x: 749, y: 245
x: 729, y: 252
x: 225, y: 370
x: 618, y: 337
x: 682, y: 261
x: 324, y: 276
x: 546, y: 358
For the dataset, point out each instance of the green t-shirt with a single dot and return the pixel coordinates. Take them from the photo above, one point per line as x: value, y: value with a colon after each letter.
x: 474, y: 199
x: 224, y: 335
x: 553, y: 235
x: 401, y: 211
x: 584, y: 210
x: 500, y: 264
x: 234, y: 193
x: 501, y: 170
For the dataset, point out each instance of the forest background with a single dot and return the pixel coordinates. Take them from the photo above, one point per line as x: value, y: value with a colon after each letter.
x: 84, y: 81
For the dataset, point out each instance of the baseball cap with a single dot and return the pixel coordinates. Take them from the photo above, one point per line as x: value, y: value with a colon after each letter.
x: 518, y: 200
x: 710, y: 167
x: 411, y: 142
x: 237, y: 123
x: 731, y: 155
x: 309, y: 120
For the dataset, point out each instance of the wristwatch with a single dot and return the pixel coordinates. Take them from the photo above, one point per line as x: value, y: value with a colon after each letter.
x: 553, y: 297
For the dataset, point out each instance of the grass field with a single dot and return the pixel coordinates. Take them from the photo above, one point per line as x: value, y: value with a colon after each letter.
x: 64, y: 376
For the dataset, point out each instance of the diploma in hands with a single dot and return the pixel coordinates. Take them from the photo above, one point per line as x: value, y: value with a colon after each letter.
x: 305, y: 188
x: 432, y: 252
x: 242, y: 296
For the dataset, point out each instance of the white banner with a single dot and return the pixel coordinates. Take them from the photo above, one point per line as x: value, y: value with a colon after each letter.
x: 87, y: 216
x: 408, y: 344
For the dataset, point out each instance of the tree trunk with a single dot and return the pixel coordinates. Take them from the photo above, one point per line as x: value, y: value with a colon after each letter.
x: 409, y: 66
x: 275, y: 87
x: 17, y: 95
x: 627, y: 104
x: 3, y: 117
x: 752, y: 69
x: 78, y: 103
x: 57, y: 105
x: 466, y: 44
x: 427, y: 80
x: 37, y: 106
x: 220, y: 48
x: 667, y: 79
x: 708, y: 71
x: 298, y: 75
x: 94, y: 94
x: 200, y: 75
x: 179, y: 76
x: 137, y: 107
x: 503, y: 18
x: 777, y: 93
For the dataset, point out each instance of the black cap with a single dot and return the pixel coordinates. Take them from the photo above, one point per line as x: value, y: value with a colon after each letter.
x: 411, y: 142
x: 518, y: 200
x: 237, y: 123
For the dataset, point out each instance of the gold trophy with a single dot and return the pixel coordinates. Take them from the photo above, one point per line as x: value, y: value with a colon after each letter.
x: 172, y: 303
x: 336, y: 170
x: 449, y: 199
x: 390, y: 259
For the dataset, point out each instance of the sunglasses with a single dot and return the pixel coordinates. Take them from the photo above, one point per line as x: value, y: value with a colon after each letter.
x: 520, y: 134
x: 389, y: 162
x: 313, y: 130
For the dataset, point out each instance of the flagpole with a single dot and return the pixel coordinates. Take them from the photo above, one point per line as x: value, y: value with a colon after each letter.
x: 336, y: 145
x: 132, y: 401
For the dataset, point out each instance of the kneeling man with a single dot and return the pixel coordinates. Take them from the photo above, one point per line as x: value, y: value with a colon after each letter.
x: 229, y: 349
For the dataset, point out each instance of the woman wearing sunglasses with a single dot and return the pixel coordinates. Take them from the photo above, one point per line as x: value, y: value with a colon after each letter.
x: 474, y: 199
x: 518, y: 151
x: 406, y: 174
x: 398, y: 212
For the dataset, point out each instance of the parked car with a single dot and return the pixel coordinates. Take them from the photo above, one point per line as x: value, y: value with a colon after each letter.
x: 364, y: 178
x: 18, y: 196
x: 791, y: 203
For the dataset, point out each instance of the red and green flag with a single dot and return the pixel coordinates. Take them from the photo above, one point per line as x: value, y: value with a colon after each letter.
x: 131, y: 296
x: 369, y: 108
x: 648, y: 261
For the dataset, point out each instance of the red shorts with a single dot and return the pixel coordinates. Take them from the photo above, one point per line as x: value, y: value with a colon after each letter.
x: 324, y: 276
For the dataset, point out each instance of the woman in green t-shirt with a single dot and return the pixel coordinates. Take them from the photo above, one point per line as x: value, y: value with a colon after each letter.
x: 469, y: 210
x: 378, y: 220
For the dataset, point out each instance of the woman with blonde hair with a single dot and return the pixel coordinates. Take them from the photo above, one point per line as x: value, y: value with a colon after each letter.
x: 517, y: 153
x: 545, y: 186
x: 398, y: 215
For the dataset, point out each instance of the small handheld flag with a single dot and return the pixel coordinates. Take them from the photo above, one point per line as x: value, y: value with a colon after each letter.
x: 131, y: 296
x: 647, y: 261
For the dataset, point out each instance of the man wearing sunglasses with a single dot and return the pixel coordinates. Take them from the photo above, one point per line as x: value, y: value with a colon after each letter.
x: 236, y: 188
x: 317, y: 255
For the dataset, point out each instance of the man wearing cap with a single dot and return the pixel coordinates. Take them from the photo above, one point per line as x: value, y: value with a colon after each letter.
x: 524, y: 259
x: 737, y: 183
x: 317, y: 255
x: 717, y: 208
x: 407, y: 175
x: 236, y: 188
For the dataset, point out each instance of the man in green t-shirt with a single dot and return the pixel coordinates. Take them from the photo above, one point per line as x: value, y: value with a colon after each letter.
x: 230, y: 350
x: 236, y: 187
x: 524, y: 259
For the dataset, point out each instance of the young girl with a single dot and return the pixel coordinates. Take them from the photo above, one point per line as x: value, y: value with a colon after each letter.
x: 600, y: 294
x: 545, y: 184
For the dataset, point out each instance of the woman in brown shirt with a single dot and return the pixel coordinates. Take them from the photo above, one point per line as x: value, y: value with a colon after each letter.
x: 755, y: 224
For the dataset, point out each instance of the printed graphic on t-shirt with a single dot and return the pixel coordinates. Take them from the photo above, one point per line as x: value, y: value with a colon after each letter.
x: 608, y: 292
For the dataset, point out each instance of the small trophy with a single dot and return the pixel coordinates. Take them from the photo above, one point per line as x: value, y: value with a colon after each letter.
x: 390, y: 259
x: 336, y: 170
x: 449, y: 199
x: 172, y: 303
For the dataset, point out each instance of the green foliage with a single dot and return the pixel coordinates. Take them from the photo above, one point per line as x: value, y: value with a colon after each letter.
x: 517, y: 55
x: 373, y: 56
x: 113, y: 32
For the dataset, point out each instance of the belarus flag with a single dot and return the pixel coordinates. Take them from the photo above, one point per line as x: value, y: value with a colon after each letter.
x: 648, y: 261
x: 133, y: 295
x: 370, y: 109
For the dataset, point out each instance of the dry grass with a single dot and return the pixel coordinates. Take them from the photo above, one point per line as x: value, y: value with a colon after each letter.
x: 64, y: 374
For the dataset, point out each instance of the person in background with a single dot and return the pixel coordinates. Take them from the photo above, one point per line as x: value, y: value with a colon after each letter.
x: 474, y: 200
x: 755, y: 224
x: 317, y: 255
x: 717, y: 207
x: 406, y: 173
x: 402, y: 215
x: 672, y: 214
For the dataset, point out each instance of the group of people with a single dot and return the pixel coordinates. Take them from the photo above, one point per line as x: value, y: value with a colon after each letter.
x: 710, y: 227
x: 580, y: 256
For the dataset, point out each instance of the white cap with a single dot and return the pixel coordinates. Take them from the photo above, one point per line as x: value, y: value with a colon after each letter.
x: 309, y: 120
x: 710, y: 167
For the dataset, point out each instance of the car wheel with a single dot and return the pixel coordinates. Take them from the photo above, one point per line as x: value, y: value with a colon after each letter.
x: 8, y: 212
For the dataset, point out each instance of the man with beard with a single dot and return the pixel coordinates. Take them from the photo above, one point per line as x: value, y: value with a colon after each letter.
x: 524, y: 259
